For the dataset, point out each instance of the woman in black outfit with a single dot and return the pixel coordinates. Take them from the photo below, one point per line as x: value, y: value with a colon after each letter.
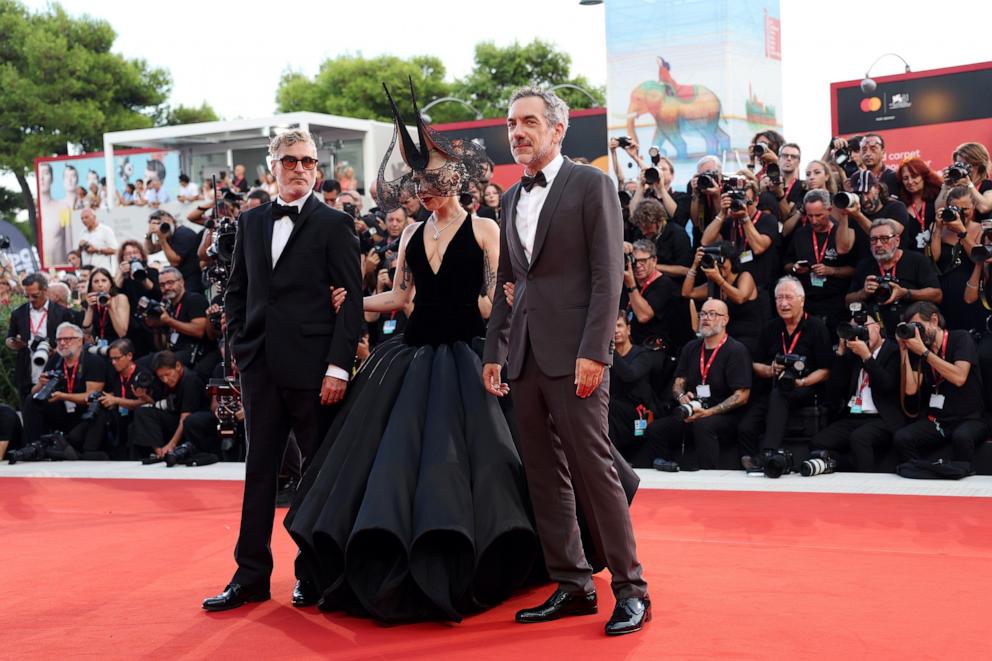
x: 632, y: 401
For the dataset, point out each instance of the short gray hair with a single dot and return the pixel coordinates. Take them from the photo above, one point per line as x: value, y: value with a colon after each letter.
x: 77, y: 331
x: 173, y: 270
x: 645, y: 245
x: 793, y: 282
x: 555, y: 108
x: 288, y: 138
x: 886, y: 222
x: 61, y: 288
x: 818, y: 195
x: 709, y: 157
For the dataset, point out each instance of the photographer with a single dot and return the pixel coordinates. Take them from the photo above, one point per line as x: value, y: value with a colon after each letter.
x: 891, y: 278
x: 753, y: 233
x: 746, y: 305
x: 792, y: 365
x: 954, y: 237
x: 632, y: 401
x: 863, y: 201
x: 655, y: 308
x: 781, y: 179
x: 160, y: 427
x: 671, y: 240
x: 179, y: 244
x: 121, y: 398
x: 867, y: 378
x: 329, y: 190
x: 970, y: 169
x: 940, y: 367
x: 182, y: 321
x: 920, y: 188
x: 873, y: 160
x: 76, y: 374
x: 712, y: 382
x: 819, y: 254
x: 978, y: 292
x: 136, y: 279
x: 705, y: 189
x: 202, y: 430
x: 108, y: 311
x: 654, y: 181
x: 31, y: 323
x: 97, y: 245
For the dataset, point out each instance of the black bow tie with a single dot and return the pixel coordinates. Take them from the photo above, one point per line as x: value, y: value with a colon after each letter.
x: 537, y: 180
x: 280, y: 211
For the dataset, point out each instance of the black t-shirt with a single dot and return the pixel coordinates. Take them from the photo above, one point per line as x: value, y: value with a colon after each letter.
x: 683, y: 208
x: 913, y: 271
x: 88, y: 368
x: 811, y: 339
x: 765, y: 266
x: 663, y: 295
x: 114, y: 382
x: 186, y: 243
x: 191, y: 306
x: 919, y: 224
x: 893, y: 209
x: 135, y: 289
x: 673, y: 246
x: 768, y: 203
x: 891, y: 180
x: 189, y: 395
x: 964, y: 403
x: 730, y: 370
x: 830, y: 288
x: 796, y: 192
x: 984, y: 186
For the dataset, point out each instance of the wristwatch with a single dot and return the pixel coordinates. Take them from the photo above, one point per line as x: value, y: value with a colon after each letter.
x: 630, y: 290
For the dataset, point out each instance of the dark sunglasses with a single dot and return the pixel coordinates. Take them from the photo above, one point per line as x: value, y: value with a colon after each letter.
x: 289, y: 162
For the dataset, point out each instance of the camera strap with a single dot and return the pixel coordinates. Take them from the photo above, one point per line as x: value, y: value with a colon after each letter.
x: 818, y: 254
x: 795, y: 338
x: 921, y: 214
x: 937, y: 377
x: 704, y: 367
x: 125, y: 381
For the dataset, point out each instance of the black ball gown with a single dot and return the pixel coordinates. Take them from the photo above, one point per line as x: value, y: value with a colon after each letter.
x: 415, y: 506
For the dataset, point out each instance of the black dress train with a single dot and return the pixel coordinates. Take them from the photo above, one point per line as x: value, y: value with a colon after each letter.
x: 415, y: 507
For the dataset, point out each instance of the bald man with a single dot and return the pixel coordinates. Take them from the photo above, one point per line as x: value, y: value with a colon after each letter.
x: 713, y: 378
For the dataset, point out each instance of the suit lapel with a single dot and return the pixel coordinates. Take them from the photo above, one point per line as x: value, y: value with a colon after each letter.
x: 510, y: 224
x: 548, y: 210
x: 267, y: 221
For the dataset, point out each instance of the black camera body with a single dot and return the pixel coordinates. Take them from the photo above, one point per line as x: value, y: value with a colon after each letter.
x: 149, y: 308
x: 55, y: 381
x: 228, y: 403
x: 855, y: 332
x: 736, y: 188
x: 907, y: 330
x: 4, y: 242
x: 50, y: 447
x: 958, y: 170
x: 652, y: 176
x: 795, y: 365
x: 774, y: 173
x: 884, y: 290
x: 624, y: 141
x: 777, y: 462
x: 138, y: 270
x: 707, y: 181
x: 983, y: 251
x: 180, y: 455
x: 387, y: 246
x: 103, y: 299
x: 950, y: 213
x: 712, y: 257
x: 92, y: 405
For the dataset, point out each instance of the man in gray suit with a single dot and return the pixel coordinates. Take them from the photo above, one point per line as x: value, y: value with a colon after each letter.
x: 562, y: 248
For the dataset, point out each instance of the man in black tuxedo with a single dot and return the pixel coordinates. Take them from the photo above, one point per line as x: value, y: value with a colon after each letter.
x: 294, y: 351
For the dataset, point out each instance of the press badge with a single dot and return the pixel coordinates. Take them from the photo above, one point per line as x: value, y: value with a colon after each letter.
x: 936, y: 401
x: 922, y: 239
x: 174, y: 338
x: 389, y: 327
x: 122, y: 411
x: 746, y: 256
x: 817, y: 280
x: 639, y: 426
x: 855, y: 405
x: 702, y: 391
x: 70, y: 407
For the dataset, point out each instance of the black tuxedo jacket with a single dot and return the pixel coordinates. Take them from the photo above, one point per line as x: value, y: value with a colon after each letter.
x: 884, y: 374
x: 20, y: 324
x: 281, y: 319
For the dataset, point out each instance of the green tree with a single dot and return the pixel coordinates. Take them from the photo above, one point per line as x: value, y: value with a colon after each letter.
x: 351, y: 85
x: 11, y: 203
x: 60, y: 83
x: 498, y: 71
x: 190, y: 114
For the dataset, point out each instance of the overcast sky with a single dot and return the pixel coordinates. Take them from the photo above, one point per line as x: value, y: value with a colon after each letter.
x: 231, y: 54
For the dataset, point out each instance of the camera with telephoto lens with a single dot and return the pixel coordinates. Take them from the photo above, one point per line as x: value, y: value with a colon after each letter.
x: 819, y: 463
x: 845, y: 200
x: 884, y: 290
x: 958, y: 170
x: 41, y: 348
x: 852, y: 332
x: 143, y: 380
x: 138, y: 271
x: 774, y: 173
x: 983, y: 251
x: 906, y: 330
x: 102, y: 298
x: 844, y: 156
x: 387, y: 246
x: 689, y: 408
x: 350, y: 209
x: 55, y: 380
x: 4, y: 242
x: 102, y: 350
x: 149, y: 308
x: 228, y: 398
x: 794, y: 365
x: 712, y: 257
x: 736, y: 188
x: 776, y: 462
x: 652, y: 176
x: 950, y: 213
x: 92, y: 405
x: 707, y: 181
x: 50, y: 447
x: 165, y: 228
x: 759, y: 149
x: 181, y: 454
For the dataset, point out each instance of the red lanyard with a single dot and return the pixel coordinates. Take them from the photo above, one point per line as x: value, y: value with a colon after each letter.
x: 36, y: 331
x: 125, y: 381
x: 863, y: 383
x: 795, y: 339
x: 654, y: 276
x: 704, y: 368
x: 818, y: 255
x: 788, y: 190
x: 921, y: 214
x: 70, y: 381
x: 179, y: 308
x: 937, y: 378
x: 103, y: 317
x: 892, y: 272
x: 740, y: 229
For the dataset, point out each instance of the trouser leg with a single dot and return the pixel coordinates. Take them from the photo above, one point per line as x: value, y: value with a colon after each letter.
x: 916, y: 438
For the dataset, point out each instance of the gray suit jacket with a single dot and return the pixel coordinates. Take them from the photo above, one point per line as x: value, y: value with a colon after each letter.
x: 567, y: 297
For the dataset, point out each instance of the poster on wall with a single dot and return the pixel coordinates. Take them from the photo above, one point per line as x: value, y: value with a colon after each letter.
x: 924, y: 113
x: 68, y: 184
x: 693, y: 78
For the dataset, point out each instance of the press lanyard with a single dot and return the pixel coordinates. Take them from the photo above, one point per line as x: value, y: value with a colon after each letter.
x: 921, y: 214
x: 788, y: 191
x: 36, y: 330
x: 70, y: 381
x: 818, y: 254
x: 740, y: 230
x: 654, y: 276
x: 103, y: 318
x: 704, y: 368
x: 125, y: 381
x: 892, y: 272
x: 937, y: 377
x: 795, y: 339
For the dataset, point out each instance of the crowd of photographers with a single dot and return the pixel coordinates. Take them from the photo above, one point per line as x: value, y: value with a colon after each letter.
x: 847, y: 309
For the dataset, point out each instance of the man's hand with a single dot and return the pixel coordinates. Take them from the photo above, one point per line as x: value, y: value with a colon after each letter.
x: 915, y: 343
x: 588, y: 376
x: 165, y: 449
x: 699, y: 415
x: 332, y: 390
x: 491, y: 380
x: 108, y: 401
x: 898, y: 292
x: 383, y: 282
x: 801, y: 269
x: 338, y: 295
x: 628, y: 275
x: 871, y: 284
x: 823, y: 270
x: 859, y: 349
x: 16, y: 343
x: 509, y: 289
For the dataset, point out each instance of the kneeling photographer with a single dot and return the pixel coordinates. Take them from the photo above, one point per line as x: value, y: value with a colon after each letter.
x: 939, y: 368
x: 866, y: 377
x: 712, y: 382
x: 657, y: 312
x: 71, y: 382
x: 221, y: 430
x: 121, y: 399
x: 892, y: 278
x: 159, y: 427
x: 792, y: 365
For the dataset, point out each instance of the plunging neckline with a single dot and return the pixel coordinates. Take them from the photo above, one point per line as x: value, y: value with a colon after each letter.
x: 423, y: 240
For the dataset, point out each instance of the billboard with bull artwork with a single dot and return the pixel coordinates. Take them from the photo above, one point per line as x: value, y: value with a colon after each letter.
x: 693, y: 77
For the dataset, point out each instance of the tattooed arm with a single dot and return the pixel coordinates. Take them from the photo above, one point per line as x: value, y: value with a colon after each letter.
x: 403, y: 286
x: 487, y: 235
x: 737, y: 398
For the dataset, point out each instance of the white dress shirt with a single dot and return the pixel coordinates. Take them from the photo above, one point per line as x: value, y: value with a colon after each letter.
x: 101, y: 237
x: 38, y: 327
x: 529, y: 206
x: 867, y: 402
x: 281, y: 229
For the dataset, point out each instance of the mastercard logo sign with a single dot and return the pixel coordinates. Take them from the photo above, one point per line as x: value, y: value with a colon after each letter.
x: 871, y: 104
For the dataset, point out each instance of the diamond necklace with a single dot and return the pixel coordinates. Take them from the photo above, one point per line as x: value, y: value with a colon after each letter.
x: 437, y: 231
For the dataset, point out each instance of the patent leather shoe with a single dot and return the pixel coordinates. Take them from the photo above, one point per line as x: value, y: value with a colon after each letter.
x: 560, y: 604
x: 630, y: 615
x: 305, y: 593
x: 235, y: 595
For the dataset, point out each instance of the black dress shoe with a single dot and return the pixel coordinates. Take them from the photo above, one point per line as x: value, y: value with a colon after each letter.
x: 629, y: 616
x: 305, y: 593
x: 560, y: 604
x: 234, y: 596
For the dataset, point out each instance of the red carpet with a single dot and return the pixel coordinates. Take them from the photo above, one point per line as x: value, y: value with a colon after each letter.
x: 117, y: 568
